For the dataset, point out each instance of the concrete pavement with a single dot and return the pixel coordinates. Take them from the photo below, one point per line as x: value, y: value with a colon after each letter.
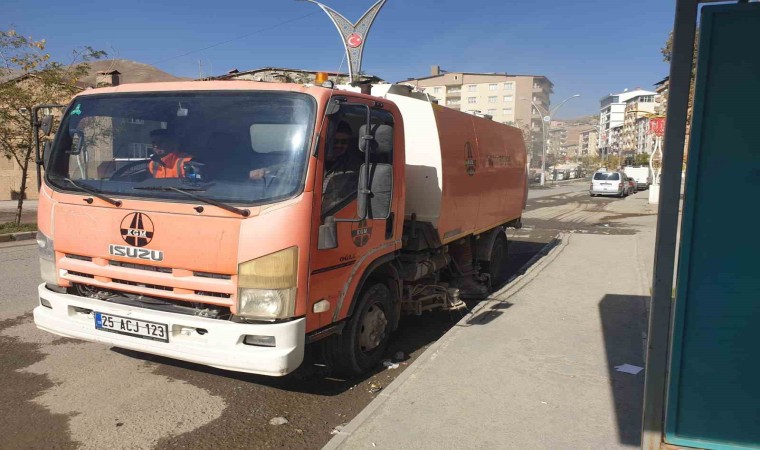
x: 534, y: 366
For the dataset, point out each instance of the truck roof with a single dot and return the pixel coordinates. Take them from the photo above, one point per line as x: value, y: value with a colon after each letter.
x: 237, y: 85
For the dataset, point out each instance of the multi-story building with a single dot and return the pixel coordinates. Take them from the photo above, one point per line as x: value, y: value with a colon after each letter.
x: 496, y: 94
x: 505, y: 97
x: 637, y: 113
x: 557, y: 137
x: 644, y: 139
x: 588, y: 141
x: 564, y: 138
x: 612, y: 116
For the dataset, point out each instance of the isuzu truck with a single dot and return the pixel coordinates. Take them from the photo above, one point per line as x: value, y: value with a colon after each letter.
x: 231, y: 223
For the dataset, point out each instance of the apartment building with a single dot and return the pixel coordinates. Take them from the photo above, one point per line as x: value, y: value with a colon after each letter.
x: 505, y: 97
x: 499, y: 95
x: 637, y: 113
x: 588, y: 141
x: 564, y: 138
x: 612, y: 118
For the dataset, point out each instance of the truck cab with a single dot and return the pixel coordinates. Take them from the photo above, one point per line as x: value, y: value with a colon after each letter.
x: 230, y: 223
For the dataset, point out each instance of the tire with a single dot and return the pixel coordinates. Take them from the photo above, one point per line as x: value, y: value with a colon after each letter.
x: 364, y: 340
x: 496, y: 266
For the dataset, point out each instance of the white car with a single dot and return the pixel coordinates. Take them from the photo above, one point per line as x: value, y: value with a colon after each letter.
x: 608, y: 183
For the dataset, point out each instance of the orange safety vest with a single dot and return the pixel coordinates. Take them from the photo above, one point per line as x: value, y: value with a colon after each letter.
x: 175, y: 166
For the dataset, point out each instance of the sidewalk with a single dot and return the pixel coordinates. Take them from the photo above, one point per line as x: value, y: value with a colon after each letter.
x: 534, y: 367
x: 8, y: 211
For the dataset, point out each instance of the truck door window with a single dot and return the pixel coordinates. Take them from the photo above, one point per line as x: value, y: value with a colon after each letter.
x: 343, y: 158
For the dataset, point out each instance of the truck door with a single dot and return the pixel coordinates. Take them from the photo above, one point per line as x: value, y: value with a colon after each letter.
x: 335, y: 272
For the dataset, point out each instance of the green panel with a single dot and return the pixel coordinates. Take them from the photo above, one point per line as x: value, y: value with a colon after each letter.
x: 714, y: 385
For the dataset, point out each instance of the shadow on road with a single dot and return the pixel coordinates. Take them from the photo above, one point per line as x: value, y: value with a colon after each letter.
x: 414, y: 335
x: 624, y: 324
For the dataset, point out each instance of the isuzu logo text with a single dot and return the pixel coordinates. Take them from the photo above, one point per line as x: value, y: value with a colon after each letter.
x: 136, y: 253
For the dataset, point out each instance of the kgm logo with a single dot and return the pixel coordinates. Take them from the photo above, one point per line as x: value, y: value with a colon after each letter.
x: 137, y: 229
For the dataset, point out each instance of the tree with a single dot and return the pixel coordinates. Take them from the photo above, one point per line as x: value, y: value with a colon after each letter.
x: 667, y: 55
x: 641, y: 159
x: 33, y: 79
x: 532, y: 143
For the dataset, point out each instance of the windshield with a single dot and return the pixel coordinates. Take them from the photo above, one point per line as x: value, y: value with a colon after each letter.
x: 237, y: 147
x: 606, y: 176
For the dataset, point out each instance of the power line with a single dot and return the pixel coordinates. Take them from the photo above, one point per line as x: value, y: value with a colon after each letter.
x: 261, y: 30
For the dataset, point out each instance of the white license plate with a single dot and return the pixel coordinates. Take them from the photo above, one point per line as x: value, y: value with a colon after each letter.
x: 132, y: 327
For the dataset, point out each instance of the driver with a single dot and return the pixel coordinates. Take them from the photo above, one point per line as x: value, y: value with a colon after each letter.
x: 167, y: 161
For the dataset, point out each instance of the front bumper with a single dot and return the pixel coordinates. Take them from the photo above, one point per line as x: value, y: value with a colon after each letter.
x: 221, y: 346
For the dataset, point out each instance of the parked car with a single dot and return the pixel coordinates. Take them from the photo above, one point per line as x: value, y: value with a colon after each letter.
x: 632, y: 185
x: 641, y: 175
x: 609, y: 183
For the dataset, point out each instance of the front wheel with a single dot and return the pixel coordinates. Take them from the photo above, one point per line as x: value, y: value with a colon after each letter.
x: 363, y: 341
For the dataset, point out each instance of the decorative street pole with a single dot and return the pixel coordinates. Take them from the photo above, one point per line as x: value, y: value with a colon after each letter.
x: 354, y: 36
x: 656, y: 127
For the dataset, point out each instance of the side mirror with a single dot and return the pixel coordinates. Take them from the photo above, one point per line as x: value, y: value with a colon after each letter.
x: 328, y: 234
x: 374, y: 201
x: 46, y: 124
x: 332, y: 107
x: 379, y: 139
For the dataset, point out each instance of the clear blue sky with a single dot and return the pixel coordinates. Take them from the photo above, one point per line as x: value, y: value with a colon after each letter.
x: 590, y: 47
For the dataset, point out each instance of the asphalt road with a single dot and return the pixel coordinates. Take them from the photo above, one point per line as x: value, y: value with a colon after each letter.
x: 63, y: 393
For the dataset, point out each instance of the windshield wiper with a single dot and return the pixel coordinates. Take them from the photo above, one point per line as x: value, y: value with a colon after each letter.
x: 242, y: 212
x: 94, y: 193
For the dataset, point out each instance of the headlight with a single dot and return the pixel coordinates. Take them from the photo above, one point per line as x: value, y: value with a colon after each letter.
x: 48, y: 270
x: 267, y: 286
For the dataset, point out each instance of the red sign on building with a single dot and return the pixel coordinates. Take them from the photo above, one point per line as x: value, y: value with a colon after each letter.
x: 657, y: 126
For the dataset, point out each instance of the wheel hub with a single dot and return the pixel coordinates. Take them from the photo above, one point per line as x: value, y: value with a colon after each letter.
x: 372, y: 329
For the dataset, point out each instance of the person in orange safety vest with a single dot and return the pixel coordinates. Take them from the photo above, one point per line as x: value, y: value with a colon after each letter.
x: 167, y: 161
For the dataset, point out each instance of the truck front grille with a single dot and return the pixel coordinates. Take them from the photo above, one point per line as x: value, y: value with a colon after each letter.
x: 140, y: 266
x: 146, y: 285
x: 137, y: 278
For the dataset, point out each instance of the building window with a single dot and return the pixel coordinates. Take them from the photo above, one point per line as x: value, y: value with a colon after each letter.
x: 471, y: 100
x: 508, y: 98
x: 492, y: 87
x: 436, y: 90
x: 492, y: 99
x: 509, y: 86
x: 491, y: 112
x: 472, y: 87
x: 507, y: 111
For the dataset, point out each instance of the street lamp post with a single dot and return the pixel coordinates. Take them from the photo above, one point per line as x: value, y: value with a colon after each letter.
x: 544, y: 120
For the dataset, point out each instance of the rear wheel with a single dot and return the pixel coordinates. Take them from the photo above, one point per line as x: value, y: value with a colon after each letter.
x: 364, y: 339
x: 496, y: 267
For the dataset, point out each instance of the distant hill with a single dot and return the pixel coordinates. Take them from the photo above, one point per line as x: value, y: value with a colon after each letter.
x: 131, y: 72
x: 9, y: 74
x: 583, y: 120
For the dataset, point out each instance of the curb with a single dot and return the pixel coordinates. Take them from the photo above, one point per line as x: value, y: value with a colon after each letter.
x: 20, y: 236
x: 527, y: 273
